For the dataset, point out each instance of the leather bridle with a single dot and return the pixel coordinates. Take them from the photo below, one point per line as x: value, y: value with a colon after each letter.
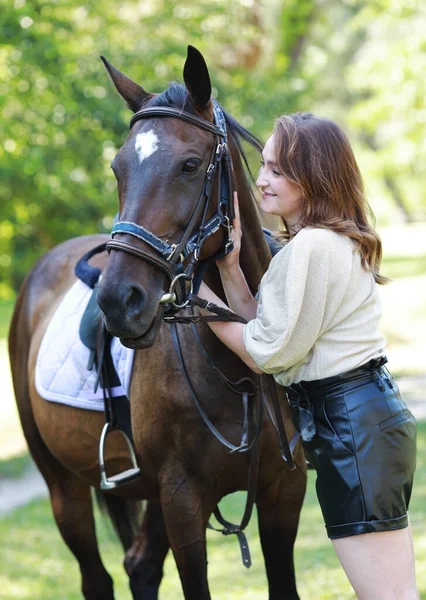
x: 170, y: 257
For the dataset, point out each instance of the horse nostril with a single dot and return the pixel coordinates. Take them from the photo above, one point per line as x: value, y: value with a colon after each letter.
x: 135, y: 302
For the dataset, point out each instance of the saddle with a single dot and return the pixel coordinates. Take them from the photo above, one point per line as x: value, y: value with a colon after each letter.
x: 96, y: 338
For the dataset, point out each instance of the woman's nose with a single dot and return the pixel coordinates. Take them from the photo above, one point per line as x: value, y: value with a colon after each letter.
x: 261, y: 181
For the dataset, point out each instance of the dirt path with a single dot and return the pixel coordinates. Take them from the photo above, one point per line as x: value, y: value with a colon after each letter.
x: 18, y: 492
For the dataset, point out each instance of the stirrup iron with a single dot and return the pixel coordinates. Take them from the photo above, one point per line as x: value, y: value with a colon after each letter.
x: 121, y: 478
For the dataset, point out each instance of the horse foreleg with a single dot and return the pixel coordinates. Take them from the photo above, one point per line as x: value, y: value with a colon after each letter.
x: 186, y: 511
x: 278, y: 508
x: 144, y: 560
x: 73, y: 511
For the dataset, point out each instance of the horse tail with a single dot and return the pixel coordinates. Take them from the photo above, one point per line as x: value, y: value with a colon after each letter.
x: 125, y: 515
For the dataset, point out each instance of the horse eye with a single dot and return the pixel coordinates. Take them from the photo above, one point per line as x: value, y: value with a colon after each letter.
x: 191, y: 165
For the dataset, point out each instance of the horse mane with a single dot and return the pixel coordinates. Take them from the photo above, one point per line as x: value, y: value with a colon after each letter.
x: 177, y: 96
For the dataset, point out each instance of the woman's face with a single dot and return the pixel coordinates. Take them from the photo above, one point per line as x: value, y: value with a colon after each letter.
x: 279, y: 195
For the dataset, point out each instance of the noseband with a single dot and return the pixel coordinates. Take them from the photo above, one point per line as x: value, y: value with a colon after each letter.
x: 170, y: 257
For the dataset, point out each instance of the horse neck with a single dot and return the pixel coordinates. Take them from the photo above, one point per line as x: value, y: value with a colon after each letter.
x: 255, y: 254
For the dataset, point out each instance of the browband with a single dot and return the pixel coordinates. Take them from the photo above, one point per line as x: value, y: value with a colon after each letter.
x: 164, y: 111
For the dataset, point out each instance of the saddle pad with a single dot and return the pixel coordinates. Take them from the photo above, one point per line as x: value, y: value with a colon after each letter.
x: 61, y: 370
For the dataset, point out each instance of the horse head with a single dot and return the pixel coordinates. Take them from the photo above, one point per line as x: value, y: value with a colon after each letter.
x: 173, y: 172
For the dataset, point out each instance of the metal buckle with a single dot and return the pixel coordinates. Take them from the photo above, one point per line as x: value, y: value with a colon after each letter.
x: 220, y: 148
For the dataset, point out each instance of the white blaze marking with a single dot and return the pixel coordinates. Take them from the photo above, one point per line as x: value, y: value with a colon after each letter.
x: 146, y: 144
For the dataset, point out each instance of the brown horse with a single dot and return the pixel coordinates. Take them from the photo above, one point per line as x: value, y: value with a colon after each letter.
x: 185, y: 470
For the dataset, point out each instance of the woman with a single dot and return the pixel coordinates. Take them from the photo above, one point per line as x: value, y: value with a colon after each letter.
x: 315, y: 328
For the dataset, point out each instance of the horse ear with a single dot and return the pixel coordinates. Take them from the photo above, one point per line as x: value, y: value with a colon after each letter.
x: 196, y: 77
x: 133, y: 94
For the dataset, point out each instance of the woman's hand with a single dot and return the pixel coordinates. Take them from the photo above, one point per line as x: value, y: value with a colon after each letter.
x: 232, y: 259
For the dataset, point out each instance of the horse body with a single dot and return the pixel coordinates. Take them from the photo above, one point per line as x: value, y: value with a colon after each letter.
x: 185, y: 470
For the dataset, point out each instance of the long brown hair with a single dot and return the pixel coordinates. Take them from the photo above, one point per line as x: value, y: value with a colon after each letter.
x: 315, y: 153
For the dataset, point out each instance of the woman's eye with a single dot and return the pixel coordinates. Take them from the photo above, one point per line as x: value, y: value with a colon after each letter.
x: 191, y: 165
x: 276, y: 173
x: 262, y: 164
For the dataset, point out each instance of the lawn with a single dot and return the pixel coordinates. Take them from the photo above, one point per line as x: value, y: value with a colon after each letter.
x: 36, y: 564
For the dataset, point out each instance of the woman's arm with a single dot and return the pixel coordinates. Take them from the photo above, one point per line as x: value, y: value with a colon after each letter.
x: 229, y: 332
x: 237, y: 291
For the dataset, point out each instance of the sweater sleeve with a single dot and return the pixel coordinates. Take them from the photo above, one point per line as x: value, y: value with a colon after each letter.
x: 293, y: 300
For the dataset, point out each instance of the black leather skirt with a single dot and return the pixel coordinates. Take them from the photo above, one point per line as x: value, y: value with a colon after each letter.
x: 360, y: 437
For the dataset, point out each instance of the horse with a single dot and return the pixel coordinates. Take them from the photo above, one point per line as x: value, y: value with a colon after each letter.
x: 184, y: 470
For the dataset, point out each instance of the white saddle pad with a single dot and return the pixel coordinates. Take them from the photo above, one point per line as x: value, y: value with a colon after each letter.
x: 61, y: 370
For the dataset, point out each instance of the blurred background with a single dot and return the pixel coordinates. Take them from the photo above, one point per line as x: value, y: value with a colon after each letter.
x: 359, y: 62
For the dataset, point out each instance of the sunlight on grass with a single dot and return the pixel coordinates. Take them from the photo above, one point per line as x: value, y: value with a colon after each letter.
x: 36, y: 564
x: 12, y: 439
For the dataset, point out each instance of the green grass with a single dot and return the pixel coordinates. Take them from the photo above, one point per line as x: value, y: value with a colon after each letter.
x: 37, y: 565
x: 398, y: 267
x: 12, y: 442
x: 15, y: 467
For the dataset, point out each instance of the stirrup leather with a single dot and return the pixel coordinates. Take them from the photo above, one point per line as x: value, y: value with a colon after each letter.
x: 121, y: 478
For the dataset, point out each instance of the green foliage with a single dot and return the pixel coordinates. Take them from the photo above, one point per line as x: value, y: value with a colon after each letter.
x: 63, y: 122
x: 360, y: 62
x: 387, y: 76
x: 368, y: 61
x: 6, y: 309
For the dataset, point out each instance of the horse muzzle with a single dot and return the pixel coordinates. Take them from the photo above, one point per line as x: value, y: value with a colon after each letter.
x: 129, y: 313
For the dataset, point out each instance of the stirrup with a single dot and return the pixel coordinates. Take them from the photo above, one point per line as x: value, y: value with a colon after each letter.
x: 121, y: 478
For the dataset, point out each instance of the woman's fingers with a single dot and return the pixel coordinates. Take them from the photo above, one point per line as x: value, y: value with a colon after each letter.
x: 232, y: 258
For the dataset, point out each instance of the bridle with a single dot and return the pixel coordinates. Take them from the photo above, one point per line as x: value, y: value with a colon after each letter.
x: 170, y: 257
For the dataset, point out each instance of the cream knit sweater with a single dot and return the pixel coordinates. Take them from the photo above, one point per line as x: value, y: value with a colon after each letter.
x: 318, y: 310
